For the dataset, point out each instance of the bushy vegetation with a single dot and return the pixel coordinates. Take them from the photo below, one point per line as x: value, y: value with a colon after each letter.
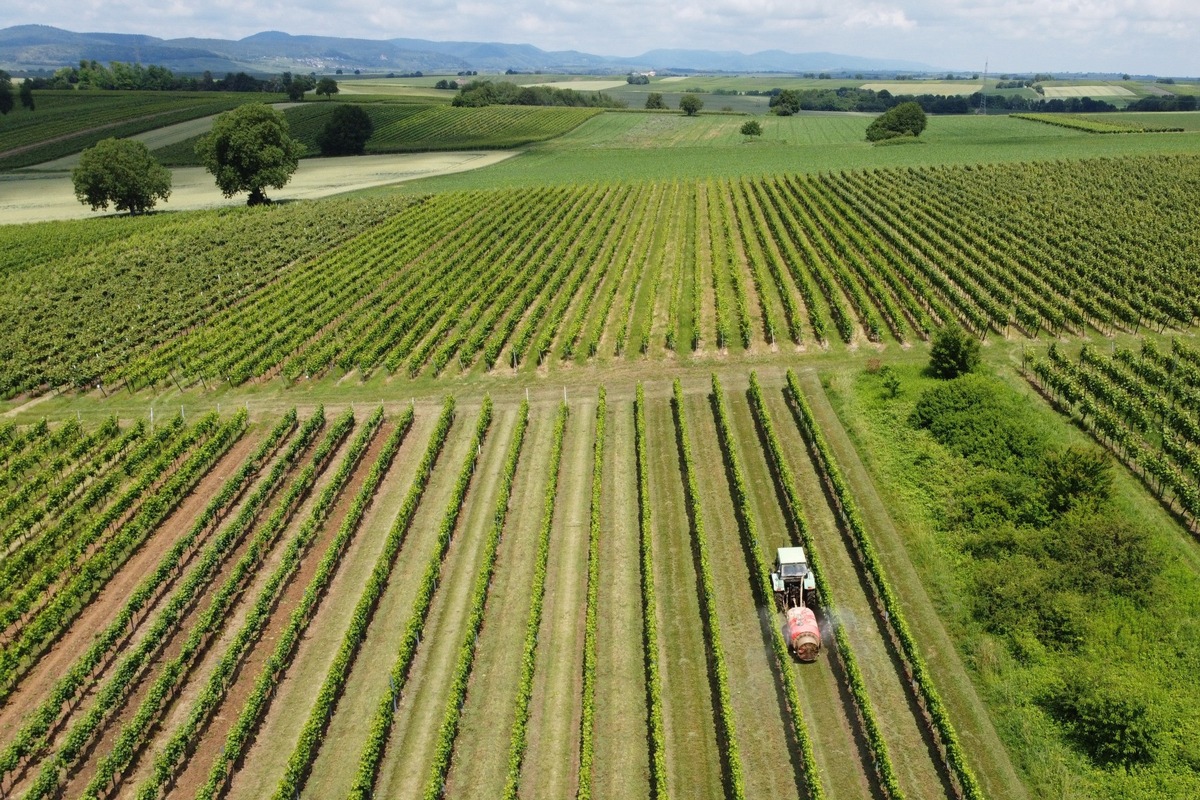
x: 906, y: 119
x: 1064, y: 594
x: 954, y: 352
x: 505, y: 93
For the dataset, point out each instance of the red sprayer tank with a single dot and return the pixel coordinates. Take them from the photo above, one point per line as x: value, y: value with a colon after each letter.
x: 802, y: 634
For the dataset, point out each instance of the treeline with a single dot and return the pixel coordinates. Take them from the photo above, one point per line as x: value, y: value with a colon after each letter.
x: 503, y: 93
x: 119, y: 75
x: 790, y: 101
x: 1166, y: 103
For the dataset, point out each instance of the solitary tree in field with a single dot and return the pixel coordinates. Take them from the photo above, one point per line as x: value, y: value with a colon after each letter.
x: 655, y: 102
x: 27, y: 95
x: 906, y: 119
x: 121, y: 172
x: 249, y: 149
x: 690, y: 104
x: 751, y: 128
x: 347, y: 131
x: 327, y: 87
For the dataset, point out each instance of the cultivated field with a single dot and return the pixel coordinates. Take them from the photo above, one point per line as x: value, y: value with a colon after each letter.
x: 1100, y: 90
x: 946, y: 88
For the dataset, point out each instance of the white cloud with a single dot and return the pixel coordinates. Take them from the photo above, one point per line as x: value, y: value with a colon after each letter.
x: 879, y: 17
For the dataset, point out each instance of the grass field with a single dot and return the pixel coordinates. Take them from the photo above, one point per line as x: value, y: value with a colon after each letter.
x: 803, y: 143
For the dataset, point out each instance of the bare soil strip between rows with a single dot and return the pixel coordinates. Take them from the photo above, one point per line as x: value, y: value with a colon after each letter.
x: 551, y: 766
x: 406, y: 764
x: 98, y: 614
x: 265, y: 760
x: 176, y: 713
x: 480, y: 764
x: 212, y: 743
x: 693, y: 749
x: 621, y: 768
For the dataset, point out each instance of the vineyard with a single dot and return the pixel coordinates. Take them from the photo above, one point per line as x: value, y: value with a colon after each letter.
x: 65, y: 123
x: 339, y: 605
x: 502, y: 280
x: 1143, y: 404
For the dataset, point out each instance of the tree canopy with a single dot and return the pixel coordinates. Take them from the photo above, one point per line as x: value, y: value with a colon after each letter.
x: 294, y: 86
x: 327, y: 87
x: 121, y: 172
x: 27, y: 95
x: 347, y: 131
x: 505, y: 93
x: 6, y: 98
x: 655, y: 102
x: 906, y: 119
x: 249, y: 149
x: 751, y: 128
x: 954, y: 352
x: 690, y: 104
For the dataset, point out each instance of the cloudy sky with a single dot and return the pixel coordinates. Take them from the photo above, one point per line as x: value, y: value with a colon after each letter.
x: 1138, y: 36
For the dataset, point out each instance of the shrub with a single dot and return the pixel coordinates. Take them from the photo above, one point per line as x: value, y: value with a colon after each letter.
x: 954, y: 352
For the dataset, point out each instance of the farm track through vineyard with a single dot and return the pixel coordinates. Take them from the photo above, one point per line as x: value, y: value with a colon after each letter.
x: 307, y: 511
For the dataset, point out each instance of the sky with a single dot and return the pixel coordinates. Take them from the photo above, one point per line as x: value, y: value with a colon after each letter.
x: 1160, y: 37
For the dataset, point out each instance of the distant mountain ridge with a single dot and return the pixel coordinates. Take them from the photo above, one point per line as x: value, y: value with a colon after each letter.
x: 34, y: 47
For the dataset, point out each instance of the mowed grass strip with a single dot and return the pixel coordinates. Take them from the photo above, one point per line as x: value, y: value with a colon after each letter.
x: 432, y: 639
x: 621, y: 767
x: 771, y: 762
x: 333, y: 771
x: 551, y: 764
x: 695, y: 757
x: 911, y: 749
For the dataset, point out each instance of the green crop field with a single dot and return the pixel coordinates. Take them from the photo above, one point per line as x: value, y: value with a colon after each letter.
x: 67, y: 122
x: 472, y: 488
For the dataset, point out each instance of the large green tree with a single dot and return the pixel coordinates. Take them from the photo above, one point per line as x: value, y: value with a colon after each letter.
x: 121, y: 172
x: 905, y: 119
x: 347, y: 131
x: 27, y: 95
x: 249, y: 149
x: 327, y: 87
x: 690, y: 104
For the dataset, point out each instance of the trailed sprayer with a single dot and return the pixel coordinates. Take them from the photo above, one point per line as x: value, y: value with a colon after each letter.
x: 795, y: 595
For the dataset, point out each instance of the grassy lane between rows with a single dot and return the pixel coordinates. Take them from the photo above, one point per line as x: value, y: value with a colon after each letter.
x: 551, y: 763
x: 913, y: 753
x: 478, y: 769
x: 439, y: 618
x: 333, y: 770
x: 695, y: 746
x: 621, y: 767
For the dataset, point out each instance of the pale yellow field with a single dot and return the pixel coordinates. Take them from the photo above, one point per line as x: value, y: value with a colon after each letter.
x: 581, y: 86
x: 947, y: 88
x: 1086, y: 91
x: 35, y: 197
